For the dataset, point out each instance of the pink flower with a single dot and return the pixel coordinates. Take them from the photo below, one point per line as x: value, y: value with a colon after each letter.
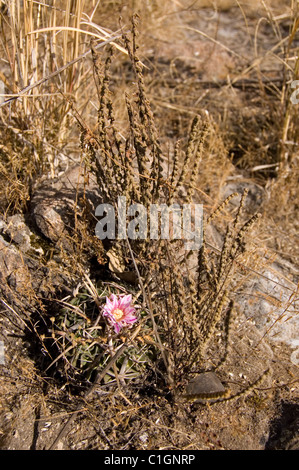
x: 119, y: 311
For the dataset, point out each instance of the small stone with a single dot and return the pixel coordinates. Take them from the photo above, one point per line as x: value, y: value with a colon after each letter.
x: 205, y: 385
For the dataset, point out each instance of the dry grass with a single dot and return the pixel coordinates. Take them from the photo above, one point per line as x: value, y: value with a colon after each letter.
x: 44, y: 69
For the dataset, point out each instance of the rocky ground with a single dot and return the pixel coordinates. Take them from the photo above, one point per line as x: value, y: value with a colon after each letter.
x: 37, y: 248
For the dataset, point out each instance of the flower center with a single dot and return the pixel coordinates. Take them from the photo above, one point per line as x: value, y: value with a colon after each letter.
x: 118, y: 314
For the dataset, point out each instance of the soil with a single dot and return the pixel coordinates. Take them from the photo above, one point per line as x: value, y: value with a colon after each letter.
x: 188, y: 74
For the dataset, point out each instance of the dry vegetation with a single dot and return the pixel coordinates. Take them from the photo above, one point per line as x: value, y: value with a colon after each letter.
x: 188, y: 101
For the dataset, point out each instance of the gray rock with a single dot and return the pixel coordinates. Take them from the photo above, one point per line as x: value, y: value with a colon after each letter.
x: 275, y: 310
x: 55, y: 204
x: 16, y: 230
x: 205, y: 385
x: 13, y: 269
x: 255, y: 196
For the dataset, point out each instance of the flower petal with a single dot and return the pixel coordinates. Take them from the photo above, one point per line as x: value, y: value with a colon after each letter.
x: 123, y: 303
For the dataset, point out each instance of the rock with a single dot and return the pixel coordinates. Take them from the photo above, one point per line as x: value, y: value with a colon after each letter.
x: 16, y: 230
x: 50, y: 222
x: 13, y: 269
x: 118, y: 266
x: 23, y: 273
x: 254, y: 198
x: 205, y: 385
x: 56, y: 203
x: 274, y: 306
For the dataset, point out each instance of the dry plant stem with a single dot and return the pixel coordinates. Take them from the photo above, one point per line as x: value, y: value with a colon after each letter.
x: 147, y: 298
x: 245, y: 392
x: 100, y: 375
x: 193, y: 137
x: 228, y: 330
x: 197, y: 161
